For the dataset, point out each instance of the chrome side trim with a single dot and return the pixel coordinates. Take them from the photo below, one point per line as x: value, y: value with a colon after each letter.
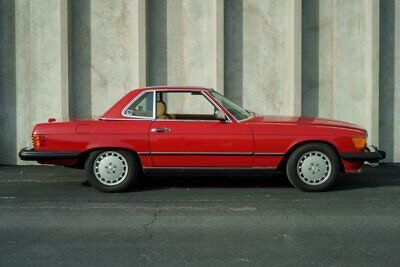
x: 268, y: 154
x: 144, y: 153
x: 204, y: 153
x: 126, y: 119
x: 180, y: 87
x: 154, y: 105
x: 189, y: 120
x: 211, y: 153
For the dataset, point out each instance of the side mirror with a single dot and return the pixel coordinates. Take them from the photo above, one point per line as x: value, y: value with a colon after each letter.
x: 220, y: 115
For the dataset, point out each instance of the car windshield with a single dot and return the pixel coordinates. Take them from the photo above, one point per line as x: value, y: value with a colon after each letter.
x: 238, y: 112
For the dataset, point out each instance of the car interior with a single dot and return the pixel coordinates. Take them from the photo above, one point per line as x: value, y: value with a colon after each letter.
x: 174, y: 106
x: 185, y: 114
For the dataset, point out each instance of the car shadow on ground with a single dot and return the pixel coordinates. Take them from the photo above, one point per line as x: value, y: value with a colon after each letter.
x: 196, y: 180
x: 384, y: 175
x: 371, y: 177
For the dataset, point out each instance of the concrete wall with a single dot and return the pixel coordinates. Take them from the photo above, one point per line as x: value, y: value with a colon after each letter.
x: 34, y: 83
x: 333, y: 58
x: 7, y: 83
x: 389, y: 82
x: 262, y: 55
x: 340, y: 77
x: 185, y: 42
x: 341, y: 61
x: 107, y: 51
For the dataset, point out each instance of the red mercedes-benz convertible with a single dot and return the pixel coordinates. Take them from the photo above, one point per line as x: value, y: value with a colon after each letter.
x: 158, y: 128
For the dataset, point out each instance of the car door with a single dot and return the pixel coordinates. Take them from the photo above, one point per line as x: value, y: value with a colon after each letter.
x: 190, y: 136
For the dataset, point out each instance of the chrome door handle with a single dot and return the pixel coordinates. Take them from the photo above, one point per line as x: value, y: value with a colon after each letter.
x: 160, y: 130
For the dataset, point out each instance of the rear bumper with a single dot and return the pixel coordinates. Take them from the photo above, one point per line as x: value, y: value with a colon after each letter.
x: 32, y: 155
x: 371, y: 155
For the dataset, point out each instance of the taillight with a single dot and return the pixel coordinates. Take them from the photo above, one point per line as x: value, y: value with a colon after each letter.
x: 38, y: 141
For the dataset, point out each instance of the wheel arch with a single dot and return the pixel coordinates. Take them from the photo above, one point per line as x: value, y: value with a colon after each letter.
x: 294, y: 146
x: 85, y: 155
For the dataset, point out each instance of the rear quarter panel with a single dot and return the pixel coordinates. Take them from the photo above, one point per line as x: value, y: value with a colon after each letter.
x: 84, y: 136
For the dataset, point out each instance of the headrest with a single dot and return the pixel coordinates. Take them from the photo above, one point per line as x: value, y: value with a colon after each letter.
x: 161, y: 108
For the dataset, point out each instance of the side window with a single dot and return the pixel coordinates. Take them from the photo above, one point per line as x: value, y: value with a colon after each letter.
x: 185, y: 106
x: 141, y: 107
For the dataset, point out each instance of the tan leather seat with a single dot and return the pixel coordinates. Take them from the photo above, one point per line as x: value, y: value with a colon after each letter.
x: 162, y: 111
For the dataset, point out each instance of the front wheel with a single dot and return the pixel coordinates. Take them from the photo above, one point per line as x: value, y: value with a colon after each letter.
x: 313, y: 167
x: 111, y: 170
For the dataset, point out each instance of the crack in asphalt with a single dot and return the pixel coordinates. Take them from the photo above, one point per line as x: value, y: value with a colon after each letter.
x: 147, y: 232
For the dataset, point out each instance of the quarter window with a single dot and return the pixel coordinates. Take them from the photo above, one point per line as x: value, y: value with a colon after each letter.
x: 141, y: 107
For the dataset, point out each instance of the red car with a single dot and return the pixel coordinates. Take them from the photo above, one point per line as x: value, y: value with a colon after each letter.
x: 157, y: 128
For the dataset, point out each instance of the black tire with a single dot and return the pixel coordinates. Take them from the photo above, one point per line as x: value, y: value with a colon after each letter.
x: 126, y: 179
x: 303, y: 173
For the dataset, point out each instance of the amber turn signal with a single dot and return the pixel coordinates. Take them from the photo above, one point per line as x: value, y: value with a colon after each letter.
x: 38, y: 141
x: 359, y: 142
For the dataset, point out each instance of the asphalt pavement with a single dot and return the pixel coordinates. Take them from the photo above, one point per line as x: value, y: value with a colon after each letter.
x: 50, y: 216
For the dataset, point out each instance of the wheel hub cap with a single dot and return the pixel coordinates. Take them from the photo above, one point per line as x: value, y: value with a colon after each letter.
x: 110, y: 168
x: 314, y: 168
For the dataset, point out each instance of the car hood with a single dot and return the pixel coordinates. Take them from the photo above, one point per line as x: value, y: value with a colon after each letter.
x: 304, y: 121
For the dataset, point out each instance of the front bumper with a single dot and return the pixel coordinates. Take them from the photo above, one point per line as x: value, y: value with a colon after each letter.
x: 33, y: 155
x: 371, y: 154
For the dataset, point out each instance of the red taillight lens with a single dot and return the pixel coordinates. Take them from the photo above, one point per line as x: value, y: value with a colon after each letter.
x: 38, y: 141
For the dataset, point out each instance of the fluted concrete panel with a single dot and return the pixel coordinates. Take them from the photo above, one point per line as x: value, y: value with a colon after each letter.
x: 185, y: 43
x: 332, y: 58
x: 341, y: 61
x: 47, y: 59
x: 108, y: 52
x: 271, y: 56
x: 355, y: 64
x: 202, y: 58
x: 22, y: 71
x: 389, y: 97
x: 38, y: 88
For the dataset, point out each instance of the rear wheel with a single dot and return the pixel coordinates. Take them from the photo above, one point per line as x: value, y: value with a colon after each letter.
x: 111, y: 170
x: 313, y: 167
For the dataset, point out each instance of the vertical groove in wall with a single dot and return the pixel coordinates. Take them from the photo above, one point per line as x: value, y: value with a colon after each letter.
x: 141, y: 31
x: 310, y: 39
x: 233, y: 50
x: 64, y: 25
x: 157, y: 39
x: 80, y: 58
x: 387, y: 79
x: 333, y: 61
x: 8, y: 97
